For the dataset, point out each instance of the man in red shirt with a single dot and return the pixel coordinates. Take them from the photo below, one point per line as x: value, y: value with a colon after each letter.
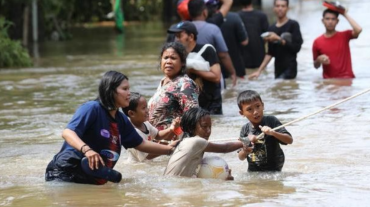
x: 331, y: 50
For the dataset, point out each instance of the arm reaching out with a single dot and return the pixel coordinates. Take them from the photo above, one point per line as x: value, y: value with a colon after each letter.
x: 169, y: 133
x: 155, y: 148
x: 263, y: 65
x: 224, y: 147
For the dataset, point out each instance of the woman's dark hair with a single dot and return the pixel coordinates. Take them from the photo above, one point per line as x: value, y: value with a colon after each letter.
x: 134, y: 101
x: 107, y: 88
x: 246, y: 97
x: 180, y: 50
x: 190, y: 119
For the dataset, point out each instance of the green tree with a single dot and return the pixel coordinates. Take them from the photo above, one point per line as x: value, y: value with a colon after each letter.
x: 12, y: 54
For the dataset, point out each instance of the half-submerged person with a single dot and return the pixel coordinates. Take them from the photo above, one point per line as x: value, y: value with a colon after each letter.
x: 97, y: 131
x: 196, y: 124
x: 176, y: 92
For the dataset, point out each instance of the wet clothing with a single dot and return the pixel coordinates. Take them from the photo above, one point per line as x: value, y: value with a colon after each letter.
x: 210, y: 96
x: 267, y: 154
x: 102, y: 133
x: 286, y: 55
x: 150, y: 133
x: 338, y: 51
x: 186, y: 157
x: 255, y: 23
x: 234, y: 33
x: 172, y: 100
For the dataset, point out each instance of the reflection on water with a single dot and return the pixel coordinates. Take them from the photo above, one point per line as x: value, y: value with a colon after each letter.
x: 327, y: 165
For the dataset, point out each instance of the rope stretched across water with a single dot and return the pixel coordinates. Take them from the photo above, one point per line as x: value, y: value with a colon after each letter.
x: 304, y: 117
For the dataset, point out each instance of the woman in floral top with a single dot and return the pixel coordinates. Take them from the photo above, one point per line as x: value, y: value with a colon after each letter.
x: 176, y: 92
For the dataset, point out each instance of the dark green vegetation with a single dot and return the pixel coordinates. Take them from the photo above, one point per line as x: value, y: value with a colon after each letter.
x: 55, y: 18
x: 12, y: 54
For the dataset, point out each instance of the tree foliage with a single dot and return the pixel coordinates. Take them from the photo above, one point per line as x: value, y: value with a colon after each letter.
x: 55, y: 17
x: 59, y: 15
x: 12, y: 54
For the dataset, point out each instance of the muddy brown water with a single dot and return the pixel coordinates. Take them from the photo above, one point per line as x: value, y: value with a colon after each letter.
x: 327, y: 165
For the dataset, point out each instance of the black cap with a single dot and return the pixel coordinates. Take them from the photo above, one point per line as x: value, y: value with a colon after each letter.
x: 183, y: 26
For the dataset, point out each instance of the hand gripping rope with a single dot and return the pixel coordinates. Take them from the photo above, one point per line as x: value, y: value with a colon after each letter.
x: 260, y: 136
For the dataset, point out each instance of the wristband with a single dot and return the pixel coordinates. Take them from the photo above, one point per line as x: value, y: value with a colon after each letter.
x: 83, y: 147
x: 87, y: 151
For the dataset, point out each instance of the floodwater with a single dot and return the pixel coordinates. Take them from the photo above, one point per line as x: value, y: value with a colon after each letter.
x: 327, y: 165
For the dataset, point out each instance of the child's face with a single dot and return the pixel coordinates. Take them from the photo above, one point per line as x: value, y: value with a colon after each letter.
x: 253, y: 111
x: 203, y: 128
x: 141, y: 113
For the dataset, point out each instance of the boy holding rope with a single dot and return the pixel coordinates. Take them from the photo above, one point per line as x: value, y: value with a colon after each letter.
x: 267, y: 154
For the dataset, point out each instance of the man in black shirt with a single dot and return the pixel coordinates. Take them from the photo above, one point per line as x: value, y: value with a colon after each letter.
x: 210, y: 90
x: 256, y: 23
x: 235, y: 37
x: 285, y: 41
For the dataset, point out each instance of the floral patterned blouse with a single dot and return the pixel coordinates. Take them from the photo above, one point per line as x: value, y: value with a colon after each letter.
x: 172, y: 100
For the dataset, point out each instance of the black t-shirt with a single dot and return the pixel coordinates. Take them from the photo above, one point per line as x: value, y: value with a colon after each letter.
x: 286, y: 55
x: 255, y: 23
x: 234, y: 33
x: 217, y: 19
x: 210, y: 95
x: 267, y: 155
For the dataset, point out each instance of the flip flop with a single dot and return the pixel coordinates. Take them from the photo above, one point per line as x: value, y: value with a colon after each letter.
x: 335, y: 6
x: 103, y: 172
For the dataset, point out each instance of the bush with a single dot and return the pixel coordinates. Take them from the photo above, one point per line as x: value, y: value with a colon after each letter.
x: 12, y: 54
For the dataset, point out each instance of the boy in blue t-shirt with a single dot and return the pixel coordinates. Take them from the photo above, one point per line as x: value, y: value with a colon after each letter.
x: 266, y: 154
